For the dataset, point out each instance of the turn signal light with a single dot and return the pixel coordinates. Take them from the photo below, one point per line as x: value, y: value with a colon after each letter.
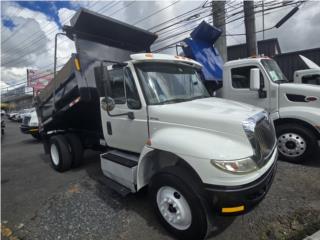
x: 233, y: 209
x: 77, y: 64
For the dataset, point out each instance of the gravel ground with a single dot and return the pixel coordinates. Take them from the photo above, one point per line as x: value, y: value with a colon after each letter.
x: 39, y: 203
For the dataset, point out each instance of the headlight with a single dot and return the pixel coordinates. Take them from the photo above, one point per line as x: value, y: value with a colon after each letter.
x: 244, y: 165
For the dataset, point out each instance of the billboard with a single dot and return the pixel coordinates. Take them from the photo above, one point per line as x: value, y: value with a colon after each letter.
x: 38, y: 79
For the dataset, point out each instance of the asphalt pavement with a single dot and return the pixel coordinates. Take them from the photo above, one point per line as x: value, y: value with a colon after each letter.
x: 40, y: 203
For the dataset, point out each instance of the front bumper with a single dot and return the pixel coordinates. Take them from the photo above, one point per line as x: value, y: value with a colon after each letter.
x: 235, y: 200
x: 29, y: 130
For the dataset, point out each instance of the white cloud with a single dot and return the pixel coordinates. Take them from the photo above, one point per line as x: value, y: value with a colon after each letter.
x: 31, y: 43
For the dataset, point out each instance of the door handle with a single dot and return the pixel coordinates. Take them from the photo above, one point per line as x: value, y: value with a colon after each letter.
x: 109, y: 128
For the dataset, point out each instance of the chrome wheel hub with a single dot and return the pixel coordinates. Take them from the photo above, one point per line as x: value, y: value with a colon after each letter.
x: 291, y: 145
x: 54, y: 154
x: 174, y: 208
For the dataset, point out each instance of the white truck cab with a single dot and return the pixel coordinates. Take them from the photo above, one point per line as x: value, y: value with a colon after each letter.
x: 169, y: 134
x: 295, y: 108
x: 307, y: 76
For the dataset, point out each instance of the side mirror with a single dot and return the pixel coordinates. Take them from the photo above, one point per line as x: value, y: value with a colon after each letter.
x: 255, y: 79
x: 110, y: 104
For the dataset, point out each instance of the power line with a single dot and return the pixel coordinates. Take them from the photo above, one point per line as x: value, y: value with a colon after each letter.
x: 155, y: 13
x: 121, y: 8
x: 273, y: 6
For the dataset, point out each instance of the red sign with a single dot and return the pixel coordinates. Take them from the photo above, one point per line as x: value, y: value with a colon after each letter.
x: 38, y: 79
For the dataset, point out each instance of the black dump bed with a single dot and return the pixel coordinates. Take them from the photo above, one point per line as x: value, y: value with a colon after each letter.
x: 71, y: 99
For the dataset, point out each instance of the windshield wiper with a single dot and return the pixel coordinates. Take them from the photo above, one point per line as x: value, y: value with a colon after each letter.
x: 198, y: 97
x: 175, y: 100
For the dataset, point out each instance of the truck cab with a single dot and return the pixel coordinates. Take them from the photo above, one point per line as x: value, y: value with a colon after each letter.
x: 307, y: 76
x: 293, y: 107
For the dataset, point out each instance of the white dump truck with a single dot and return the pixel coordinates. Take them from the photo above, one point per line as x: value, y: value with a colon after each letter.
x: 157, y: 126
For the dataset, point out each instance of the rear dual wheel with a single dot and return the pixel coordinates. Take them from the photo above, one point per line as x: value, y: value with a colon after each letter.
x: 65, y: 152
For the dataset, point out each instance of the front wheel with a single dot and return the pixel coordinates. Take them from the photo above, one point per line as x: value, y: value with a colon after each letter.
x: 178, y: 205
x: 295, y: 142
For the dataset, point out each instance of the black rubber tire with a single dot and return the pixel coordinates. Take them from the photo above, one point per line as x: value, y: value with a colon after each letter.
x: 307, y: 134
x: 65, y: 158
x: 175, y: 177
x: 76, y: 149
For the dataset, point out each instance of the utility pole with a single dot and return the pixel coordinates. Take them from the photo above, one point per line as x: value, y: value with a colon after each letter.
x: 262, y: 19
x: 219, y: 20
x: 250, y: 25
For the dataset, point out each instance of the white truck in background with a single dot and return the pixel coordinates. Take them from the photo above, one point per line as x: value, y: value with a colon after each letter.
x: 295, y: 108
x: 307, y: 76
x: 157, y: 126
x: 29, y: 124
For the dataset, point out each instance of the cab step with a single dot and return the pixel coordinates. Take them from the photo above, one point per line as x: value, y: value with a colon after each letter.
x: 121, y: 168
x: 120, y: 189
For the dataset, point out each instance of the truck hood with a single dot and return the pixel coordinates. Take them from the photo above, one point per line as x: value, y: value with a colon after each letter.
x: 212, y: 114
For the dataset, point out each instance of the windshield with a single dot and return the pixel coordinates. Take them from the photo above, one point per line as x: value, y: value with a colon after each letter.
x: 170, y: 83
x: 273, y: 70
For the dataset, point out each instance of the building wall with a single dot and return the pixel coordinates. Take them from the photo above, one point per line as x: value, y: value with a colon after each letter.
x: 290, y: 62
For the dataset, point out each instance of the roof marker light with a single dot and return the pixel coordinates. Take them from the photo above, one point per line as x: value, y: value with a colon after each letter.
x: 149, y: 55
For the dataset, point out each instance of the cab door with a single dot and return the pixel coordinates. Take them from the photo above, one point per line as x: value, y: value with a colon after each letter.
x: 124, y: 117
x: 239, y: 87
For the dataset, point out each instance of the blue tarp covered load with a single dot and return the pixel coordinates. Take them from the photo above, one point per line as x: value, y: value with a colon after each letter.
x: 200, y: 48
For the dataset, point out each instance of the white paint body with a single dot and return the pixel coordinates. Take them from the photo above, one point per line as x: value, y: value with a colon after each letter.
x: 310, y: 76
x: 196, y: 131
x: 276, y: 101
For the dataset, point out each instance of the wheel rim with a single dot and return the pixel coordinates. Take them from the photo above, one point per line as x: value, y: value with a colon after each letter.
x: 54, y: 154
x: 174, y: 208
x: 292, y: 145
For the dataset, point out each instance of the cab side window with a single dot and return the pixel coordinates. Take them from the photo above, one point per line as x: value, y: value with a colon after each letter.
x: 240, y: 77
x: 117, y: 86
x: 132, y: 96
x: 311, y: 79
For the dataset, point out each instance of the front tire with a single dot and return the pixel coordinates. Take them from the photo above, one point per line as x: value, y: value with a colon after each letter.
x: 60, y: 155
x: 178, y: 204
x: 296, y: 143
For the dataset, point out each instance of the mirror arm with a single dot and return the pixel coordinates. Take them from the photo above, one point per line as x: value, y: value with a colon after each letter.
x: 129, y: 114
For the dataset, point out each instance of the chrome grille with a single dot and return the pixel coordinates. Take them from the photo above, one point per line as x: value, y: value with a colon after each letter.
x: 26, y: 120
x: 264, y: 134
x: 261, y: 134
